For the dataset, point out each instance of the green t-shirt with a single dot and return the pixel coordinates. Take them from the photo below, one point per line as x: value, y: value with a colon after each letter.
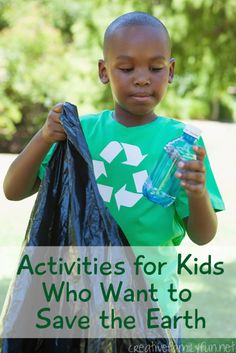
x: 122, y: 158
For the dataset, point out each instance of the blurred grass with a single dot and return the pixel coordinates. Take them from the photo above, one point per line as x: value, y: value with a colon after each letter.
x: 14, y: 216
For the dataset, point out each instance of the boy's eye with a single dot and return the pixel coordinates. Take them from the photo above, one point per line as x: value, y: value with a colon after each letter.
x: 156, y: 68
x: 126, y: 69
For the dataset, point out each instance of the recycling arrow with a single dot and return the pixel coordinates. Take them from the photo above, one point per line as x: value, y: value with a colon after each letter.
x: 126, y: 198
x: 105, y: 191
x: 139, y: 179
x: 99, y: 168
x: 133, y: 154
x: 111, y: 151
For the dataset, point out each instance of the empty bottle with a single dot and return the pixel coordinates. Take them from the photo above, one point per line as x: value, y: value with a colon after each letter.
x: 162, y: 187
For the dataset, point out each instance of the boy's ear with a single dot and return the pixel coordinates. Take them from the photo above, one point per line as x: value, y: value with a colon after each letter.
x: 171, y: 70
x: 102, y: 71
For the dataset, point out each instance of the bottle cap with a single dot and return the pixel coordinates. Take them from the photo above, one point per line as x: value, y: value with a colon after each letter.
x: 192, y: 130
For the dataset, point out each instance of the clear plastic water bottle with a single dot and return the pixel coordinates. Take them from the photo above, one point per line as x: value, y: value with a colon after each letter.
x: 162, y: 187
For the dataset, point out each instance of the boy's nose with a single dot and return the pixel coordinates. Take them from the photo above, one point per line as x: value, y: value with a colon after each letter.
x: 142, y: 80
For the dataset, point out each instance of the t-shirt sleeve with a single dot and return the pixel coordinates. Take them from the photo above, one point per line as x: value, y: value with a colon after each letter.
x: 181, y: 204
x: 43, y: 166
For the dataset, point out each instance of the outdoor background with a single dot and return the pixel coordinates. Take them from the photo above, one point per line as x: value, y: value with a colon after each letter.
x: 48, y: 53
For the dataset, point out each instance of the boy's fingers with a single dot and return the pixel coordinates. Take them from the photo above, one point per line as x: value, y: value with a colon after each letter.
x: 194, y: 176
x: 194, y: 165
x: 193, y: 187
x: 60, y: 136
x: 55, y: 117
x: 58, y: 129
x: 58, y: 108
x: 200, y: 152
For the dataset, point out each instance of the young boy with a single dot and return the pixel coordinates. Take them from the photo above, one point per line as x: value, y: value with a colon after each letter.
x: 125, y: 143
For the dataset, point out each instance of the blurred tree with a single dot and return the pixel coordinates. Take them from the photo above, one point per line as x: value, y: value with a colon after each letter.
x: 49, y: 51
x: 203, y: 35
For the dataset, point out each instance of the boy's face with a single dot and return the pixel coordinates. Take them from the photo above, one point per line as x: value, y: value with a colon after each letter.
x: 138, y: 67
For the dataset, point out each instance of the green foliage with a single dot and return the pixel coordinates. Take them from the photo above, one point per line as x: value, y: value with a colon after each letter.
x: 49, y: 51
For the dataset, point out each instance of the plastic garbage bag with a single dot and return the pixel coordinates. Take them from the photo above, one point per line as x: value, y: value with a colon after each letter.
x: 69, y: 211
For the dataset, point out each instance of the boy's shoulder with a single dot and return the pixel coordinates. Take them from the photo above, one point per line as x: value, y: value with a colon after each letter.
x: 93, y: 117
x: 173, y: 122
x: 90, y: 121
x: 171, y: 125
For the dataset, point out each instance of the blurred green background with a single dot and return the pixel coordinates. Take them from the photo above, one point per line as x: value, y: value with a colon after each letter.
x: 49, y: 51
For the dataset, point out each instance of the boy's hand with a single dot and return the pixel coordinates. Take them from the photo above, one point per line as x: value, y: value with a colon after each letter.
x: 193, y: 174
x: 52, y: 130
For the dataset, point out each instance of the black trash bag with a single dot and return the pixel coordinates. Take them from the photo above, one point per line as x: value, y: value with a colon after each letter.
x: 69, y: 211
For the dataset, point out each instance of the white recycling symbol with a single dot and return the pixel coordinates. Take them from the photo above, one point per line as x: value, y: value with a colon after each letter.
x: 134, y: 157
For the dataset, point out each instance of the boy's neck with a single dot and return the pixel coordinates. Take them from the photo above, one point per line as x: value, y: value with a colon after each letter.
x: 128, y: 119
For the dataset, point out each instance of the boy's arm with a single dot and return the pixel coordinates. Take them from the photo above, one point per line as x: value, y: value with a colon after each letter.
x: 21, y: 179
x: 201, y: 225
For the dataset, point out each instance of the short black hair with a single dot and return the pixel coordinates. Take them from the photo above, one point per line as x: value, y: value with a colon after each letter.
x: 135, y: 18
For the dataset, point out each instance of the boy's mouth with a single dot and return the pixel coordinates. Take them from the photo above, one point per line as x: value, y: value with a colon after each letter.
x: 142, y: 96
